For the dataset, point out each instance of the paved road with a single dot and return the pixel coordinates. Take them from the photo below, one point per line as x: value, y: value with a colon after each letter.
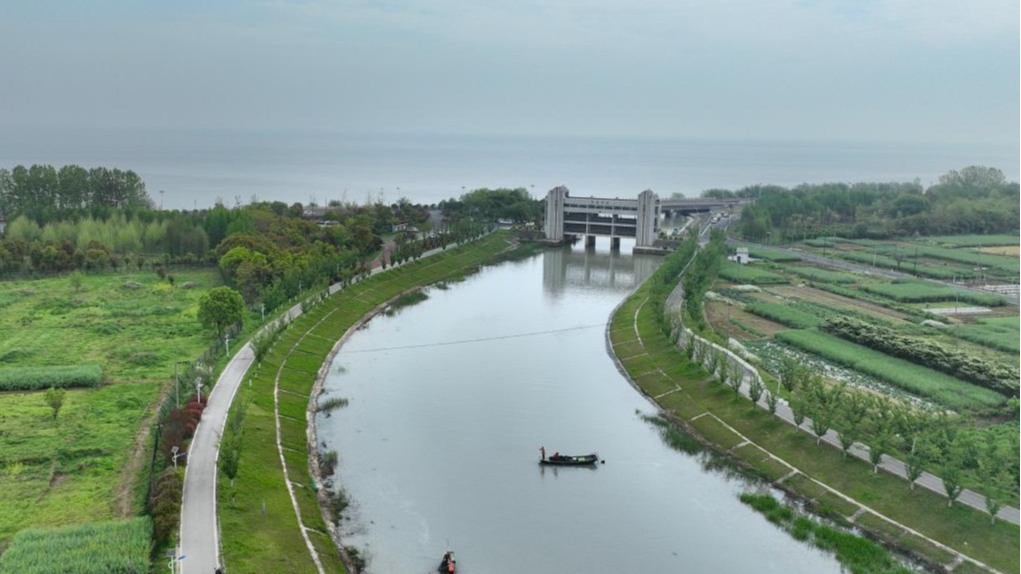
x: 199, y: 533
x: 859, y: 268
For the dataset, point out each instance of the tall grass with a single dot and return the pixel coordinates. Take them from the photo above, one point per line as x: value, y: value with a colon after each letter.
x: 35, y: 378
x: 944, y: 389
x: 859, y: 555
x: 97, y: 548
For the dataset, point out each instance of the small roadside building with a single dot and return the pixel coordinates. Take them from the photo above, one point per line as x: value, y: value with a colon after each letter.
x: 741, y: 256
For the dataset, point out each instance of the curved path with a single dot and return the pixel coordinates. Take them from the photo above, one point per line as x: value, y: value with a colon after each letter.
x: 199, y: 531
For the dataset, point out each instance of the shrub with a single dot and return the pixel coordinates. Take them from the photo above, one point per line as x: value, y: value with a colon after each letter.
x: 947, y: 390
x: 165, y: 504
x: 98, y: 548
x: 36, y: 378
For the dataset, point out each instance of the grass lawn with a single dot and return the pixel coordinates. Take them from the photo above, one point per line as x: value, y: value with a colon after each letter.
x: 257, y: 542
x: 73, y: 470
x: 964, y: 529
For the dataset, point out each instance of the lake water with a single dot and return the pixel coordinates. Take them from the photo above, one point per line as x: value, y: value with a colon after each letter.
x: 195, y: 168
x: 439, y: 444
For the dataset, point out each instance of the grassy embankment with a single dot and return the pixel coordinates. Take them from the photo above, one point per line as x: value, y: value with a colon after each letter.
x: 658, y: 366
x: 251, y: 541
x: 133, y: 326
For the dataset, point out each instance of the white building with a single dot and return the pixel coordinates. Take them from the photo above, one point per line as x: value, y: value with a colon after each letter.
x: 741, y: 256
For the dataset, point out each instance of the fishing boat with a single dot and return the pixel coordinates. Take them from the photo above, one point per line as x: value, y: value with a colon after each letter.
x: 567, y: 460
x: 448, y: 564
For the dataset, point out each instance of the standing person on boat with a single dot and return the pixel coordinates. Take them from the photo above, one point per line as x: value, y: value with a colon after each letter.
x: 542, y: 449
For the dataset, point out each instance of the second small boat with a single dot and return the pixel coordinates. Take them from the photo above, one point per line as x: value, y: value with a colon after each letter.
x: 568, y: 460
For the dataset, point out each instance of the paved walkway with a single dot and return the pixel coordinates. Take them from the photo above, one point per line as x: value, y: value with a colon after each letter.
x: 199, y: 530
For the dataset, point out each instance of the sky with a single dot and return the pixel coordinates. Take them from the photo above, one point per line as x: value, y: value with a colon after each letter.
x: 842, y: 70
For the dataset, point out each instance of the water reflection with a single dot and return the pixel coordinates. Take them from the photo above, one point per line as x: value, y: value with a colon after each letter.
x: 574, y: 267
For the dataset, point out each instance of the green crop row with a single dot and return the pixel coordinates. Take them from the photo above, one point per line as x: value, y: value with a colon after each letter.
x: 823, y: 275
x: 972, y: 240
x: 99, y: 548
x: 996, y: 332
x: 35, y: 378
x: 737, y: 273
x: 926, y: 292
x: 785, y: 315
x: 944, y: 389
x: 1012, y: 323
x: 906, y: 264
x: 772, y: 255
x: 967, y: 257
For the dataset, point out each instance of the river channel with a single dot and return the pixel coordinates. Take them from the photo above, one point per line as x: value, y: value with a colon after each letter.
x: 450, y: 400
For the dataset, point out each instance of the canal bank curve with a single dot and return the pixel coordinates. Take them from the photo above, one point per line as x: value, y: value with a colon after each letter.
x: 687, y: 397
x: 200, y: 534
x: 271, y: 521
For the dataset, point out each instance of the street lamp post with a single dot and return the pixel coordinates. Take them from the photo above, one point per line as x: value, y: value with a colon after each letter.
x: 226, y: 342
x: 176, y: 453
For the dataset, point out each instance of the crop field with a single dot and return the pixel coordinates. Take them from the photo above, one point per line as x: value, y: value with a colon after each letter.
x: 102, y: 548
x: 132, y: 327
x: 823, y: 275
x: 944, y: 389
x: 772, y: 255
x: 785, y: 315
x: 972, y: 240
x: 738, y: 273
x: 998, y: 332
x: 906, y: 265
x: 925, y: 292
x: 971, y: 258
x: 1009, y: 250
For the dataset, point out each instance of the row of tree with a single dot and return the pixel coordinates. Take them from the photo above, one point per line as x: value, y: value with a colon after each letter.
x: 44, y: 193
x: 972, y: 200
x: 961, y: 455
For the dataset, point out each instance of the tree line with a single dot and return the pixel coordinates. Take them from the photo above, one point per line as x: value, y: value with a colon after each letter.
x: 44, y: 192
x: 973, y: 200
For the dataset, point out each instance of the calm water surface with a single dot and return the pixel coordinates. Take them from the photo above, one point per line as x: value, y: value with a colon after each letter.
x: 439, y: 444
x: 196, y: 167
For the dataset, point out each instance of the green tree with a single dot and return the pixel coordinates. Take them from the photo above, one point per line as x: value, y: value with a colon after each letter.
x: 853, y: 409
x: 952, y: 477
x: 755, y: 390
x: 791, y: 371
x: 798, y: 410
x: 54, y: 397
x: 878, y: 446
x: 220, y: 308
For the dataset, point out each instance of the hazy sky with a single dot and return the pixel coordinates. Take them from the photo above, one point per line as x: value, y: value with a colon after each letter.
x: 912, y: 70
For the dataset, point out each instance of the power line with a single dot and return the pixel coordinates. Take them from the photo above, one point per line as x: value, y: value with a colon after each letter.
x: 479, y: 339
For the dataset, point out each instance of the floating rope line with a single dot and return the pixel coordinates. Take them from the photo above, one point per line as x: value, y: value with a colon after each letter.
x: 478, y: 340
